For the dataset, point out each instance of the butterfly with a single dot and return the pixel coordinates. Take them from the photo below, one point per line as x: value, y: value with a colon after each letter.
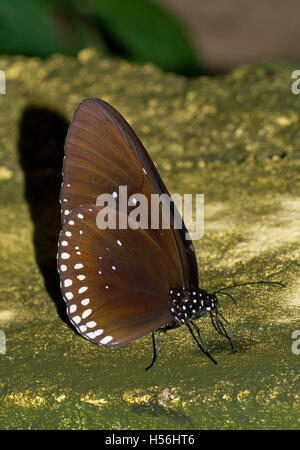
x: 120, y: 284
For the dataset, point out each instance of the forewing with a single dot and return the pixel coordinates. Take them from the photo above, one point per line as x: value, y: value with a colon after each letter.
x: 102, y: 152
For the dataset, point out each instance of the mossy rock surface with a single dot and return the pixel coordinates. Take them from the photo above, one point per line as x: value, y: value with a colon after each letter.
x: 235, y: 138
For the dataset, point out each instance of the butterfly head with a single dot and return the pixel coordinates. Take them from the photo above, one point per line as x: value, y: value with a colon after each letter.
x: 191, y: 305
x: 206, y: 302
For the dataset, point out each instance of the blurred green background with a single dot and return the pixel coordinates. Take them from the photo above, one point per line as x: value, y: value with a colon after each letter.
x: 138, y: 30
x: 190, y: 37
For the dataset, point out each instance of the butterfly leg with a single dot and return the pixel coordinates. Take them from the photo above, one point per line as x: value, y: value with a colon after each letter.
x: 200, y: 341
x: 156, y: 346
x: 155, y: 349
x: 218, y: 325
x: 228, y: 335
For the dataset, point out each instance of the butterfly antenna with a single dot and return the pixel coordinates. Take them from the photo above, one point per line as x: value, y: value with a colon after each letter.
x: 155, y: 349
x: 250, y: 282
x: 200, y: 344
x: 228, y: 295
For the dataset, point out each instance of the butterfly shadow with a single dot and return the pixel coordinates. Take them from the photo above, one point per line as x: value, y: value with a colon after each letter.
x: 41, y: 143
x: 221, y: 346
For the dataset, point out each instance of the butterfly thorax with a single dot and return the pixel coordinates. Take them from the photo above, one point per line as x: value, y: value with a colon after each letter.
x: 191, y: 305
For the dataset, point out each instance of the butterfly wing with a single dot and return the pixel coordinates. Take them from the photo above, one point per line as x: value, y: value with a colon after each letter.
x: 102, y: 152
x: 115, y: 282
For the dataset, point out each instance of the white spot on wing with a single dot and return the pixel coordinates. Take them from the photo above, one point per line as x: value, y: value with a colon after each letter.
x: 106, y: 339
x: 82, y: 289
x: 94, y: 334
x: 76, y: 319
x: 86, y: 313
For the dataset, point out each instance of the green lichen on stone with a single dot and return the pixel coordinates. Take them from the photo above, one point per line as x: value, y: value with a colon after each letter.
x: 234, y: 138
